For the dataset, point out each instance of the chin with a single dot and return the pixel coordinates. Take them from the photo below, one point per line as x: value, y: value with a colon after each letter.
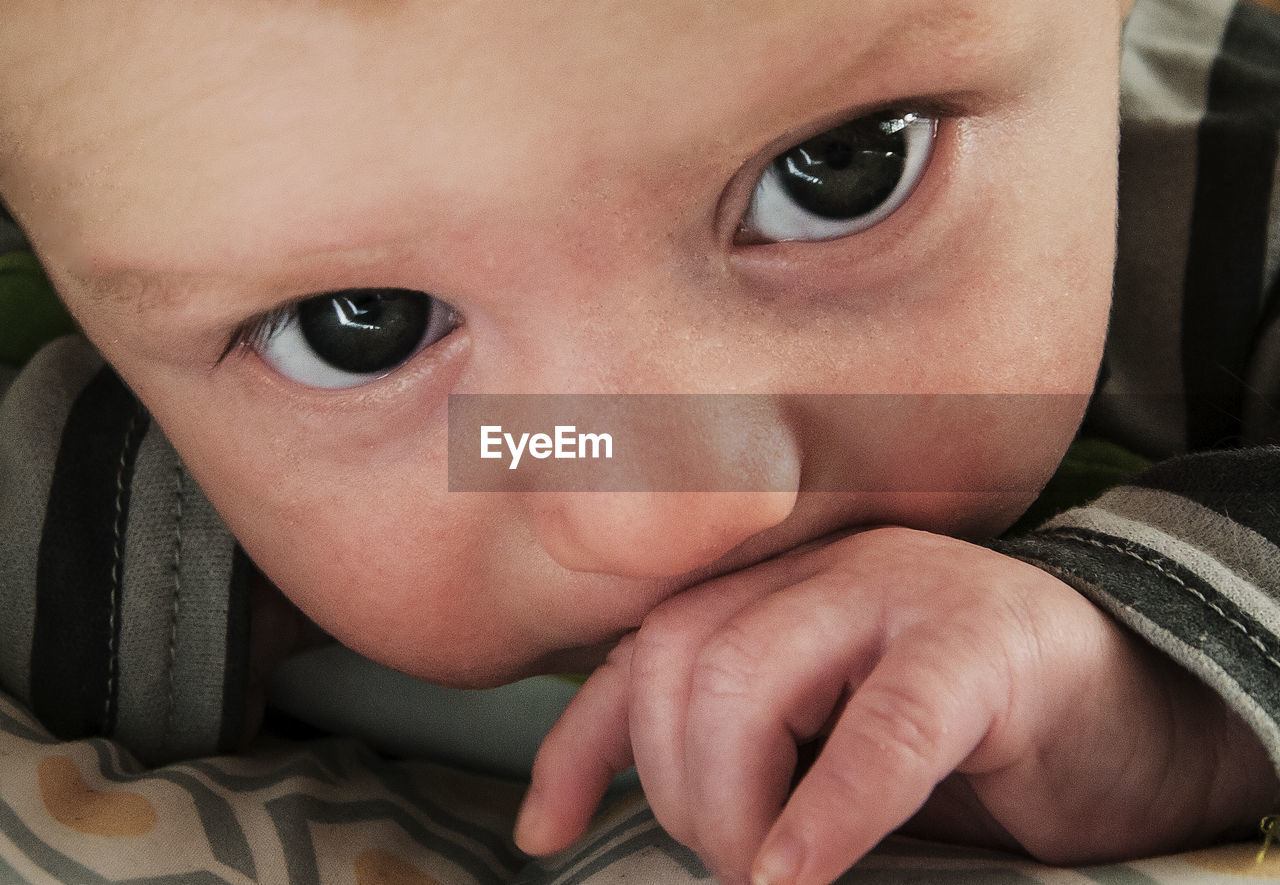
x: 493, y: 668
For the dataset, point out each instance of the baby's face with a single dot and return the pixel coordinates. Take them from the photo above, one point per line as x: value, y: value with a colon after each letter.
x: 573, y: 197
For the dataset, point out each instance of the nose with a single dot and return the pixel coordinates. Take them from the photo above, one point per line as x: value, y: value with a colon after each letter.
x: 654, y: 534
x: 707, y: 485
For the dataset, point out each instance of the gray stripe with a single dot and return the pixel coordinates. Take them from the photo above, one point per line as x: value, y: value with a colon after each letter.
x: 143, y: 699
x: 1242, y: 561
x: 16, y: 721
x: 8, y: 873
x: 222, y: 831
x: 916, y: 876
x: 173, y: 622
x: 636, y: 840
x: 204, y: 551
x: 301, y: 767
x: 58, y: 865
x: 395, y: 781
x: 1170, y: 47
x: 640, y: 821
x: 31, y: 418
x: 1183, y: 600
x: 298, y: 817
x: 652, y: 842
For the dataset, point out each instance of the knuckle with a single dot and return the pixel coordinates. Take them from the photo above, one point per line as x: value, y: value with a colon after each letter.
x: 904, y: 729
x: 659, y: 641
x: 840, y: 785
x: 729, y: 663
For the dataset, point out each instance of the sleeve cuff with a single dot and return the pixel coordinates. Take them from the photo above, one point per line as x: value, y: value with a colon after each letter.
x: 1186, y: 557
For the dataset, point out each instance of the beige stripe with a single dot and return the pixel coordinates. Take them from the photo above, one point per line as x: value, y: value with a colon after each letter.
x: 1234, y: 544
x: 1241, y: 545
x: 1170, y: 48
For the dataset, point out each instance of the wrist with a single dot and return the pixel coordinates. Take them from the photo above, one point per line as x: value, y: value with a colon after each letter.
x: 1246, y: 787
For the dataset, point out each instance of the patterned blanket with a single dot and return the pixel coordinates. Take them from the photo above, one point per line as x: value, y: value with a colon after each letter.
x: 334, y: 811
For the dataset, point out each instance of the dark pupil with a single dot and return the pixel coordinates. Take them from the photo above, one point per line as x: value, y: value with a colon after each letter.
x: 847, y: 171
x: 365, y: 330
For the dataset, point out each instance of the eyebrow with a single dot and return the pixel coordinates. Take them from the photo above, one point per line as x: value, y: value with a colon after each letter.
x: 919, y: 26
x: 300, y: 274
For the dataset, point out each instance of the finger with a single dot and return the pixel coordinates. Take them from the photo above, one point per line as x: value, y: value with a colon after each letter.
x: 662, y: 671
x: 920, y: 713
x: 578, y: 759
x: 770, y: 679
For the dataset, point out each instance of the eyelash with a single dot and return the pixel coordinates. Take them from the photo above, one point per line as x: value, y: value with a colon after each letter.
x: 345, y: 338
x: 943, y: 110
x: 256, y: 331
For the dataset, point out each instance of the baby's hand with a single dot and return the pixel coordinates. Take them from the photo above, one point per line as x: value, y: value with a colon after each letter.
x: 936, y: 675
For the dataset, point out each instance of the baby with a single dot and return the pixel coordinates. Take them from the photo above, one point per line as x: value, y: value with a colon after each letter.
x: 296, y: 228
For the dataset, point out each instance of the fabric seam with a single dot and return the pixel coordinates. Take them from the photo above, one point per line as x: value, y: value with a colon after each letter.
x: 1267, y: 653
x: 175, y: 606
x: 117, y: 564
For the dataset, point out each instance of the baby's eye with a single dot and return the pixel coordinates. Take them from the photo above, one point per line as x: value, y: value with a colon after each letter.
x: 348, y: 338
x: 843, y: 181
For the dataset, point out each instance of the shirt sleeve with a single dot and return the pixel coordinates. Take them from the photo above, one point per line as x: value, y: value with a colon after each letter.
x: 1186, y: 555
x: 125, y: 598
x: 1193, y: 351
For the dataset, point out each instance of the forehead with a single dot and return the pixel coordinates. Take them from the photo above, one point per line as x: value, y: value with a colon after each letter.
x: 238, y: 108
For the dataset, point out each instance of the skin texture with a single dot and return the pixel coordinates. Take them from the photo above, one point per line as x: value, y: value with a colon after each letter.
x: 570, y: 177
x: 586, y: 236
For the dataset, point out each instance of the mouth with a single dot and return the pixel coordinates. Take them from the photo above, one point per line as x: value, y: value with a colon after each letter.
x: 753, y: 552
x: 781, y: 540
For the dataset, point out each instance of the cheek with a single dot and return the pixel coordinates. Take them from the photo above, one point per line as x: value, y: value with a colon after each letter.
x: 1018, y: 298
x: 446, y: 586
x: 384, y: 566
x: 362, y: 534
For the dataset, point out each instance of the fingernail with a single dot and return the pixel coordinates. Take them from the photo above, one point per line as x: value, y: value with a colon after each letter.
x: 780, y: 861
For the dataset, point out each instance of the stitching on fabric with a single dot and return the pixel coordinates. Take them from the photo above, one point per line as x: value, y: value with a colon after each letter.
x: 1267, y: 653
x: 117, y: 571
x: 175, y: 606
